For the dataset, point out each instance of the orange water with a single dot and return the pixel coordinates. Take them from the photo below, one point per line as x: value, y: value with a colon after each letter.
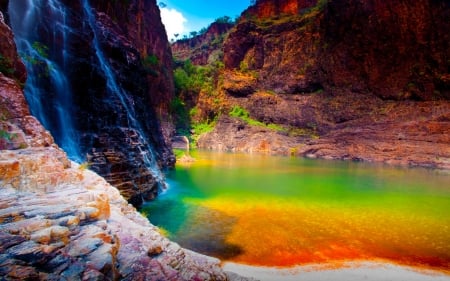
x: 277, y: 211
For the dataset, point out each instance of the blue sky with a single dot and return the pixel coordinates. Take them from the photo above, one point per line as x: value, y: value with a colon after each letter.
x: 184, y: 16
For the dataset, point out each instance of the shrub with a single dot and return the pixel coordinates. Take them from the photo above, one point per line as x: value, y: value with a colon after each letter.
x: 201, y: 128
x: 5, y: 66
x: 41, y: 49
x: 243, y: 114
x: 239, y: 112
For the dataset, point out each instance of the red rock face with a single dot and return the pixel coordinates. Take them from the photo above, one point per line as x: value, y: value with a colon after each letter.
x: 10, y: 63
x: 17, y: 127
x: 270, y: 8
x: 202, y: 48
x: 363, y: 80
x: 140, y: 22
x: 394, y: 50
x: 114, y: 128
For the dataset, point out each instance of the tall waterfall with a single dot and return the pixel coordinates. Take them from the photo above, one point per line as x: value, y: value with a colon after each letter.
x: 50, y: 86
x: 46, y: 70
x: 115, y: 89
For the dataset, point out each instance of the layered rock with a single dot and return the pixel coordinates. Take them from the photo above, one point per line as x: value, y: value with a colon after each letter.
x: 204, y: 48
x: 114, y: 62
x: 67, y: 222
x: 270, y: 8
x: 408, y: 133
x: 140, y: 22
x: 18, y: 129
x: 59, y: 220
x: 361, y: 80
x: 396, y: 50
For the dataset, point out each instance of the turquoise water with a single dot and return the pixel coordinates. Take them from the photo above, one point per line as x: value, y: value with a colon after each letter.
x: 281, y: 211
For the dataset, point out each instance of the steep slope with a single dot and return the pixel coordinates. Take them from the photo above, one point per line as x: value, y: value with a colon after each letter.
x: 204, y: 48
x: 140, y: 22
x: 362, y: 80
x: 393, y: 50
x: 100, y: 80
x: 60, y: 221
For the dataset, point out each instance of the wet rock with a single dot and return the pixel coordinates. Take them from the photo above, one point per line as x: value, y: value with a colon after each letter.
x: 101, y: 120
x: 10, y: 63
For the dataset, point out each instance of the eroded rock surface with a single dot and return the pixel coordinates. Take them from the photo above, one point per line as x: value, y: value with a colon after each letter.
x: 407, y: 133
x: 107, y: 67
x: 59, y: 220
x: 204, y: 48
x: 356, y: 80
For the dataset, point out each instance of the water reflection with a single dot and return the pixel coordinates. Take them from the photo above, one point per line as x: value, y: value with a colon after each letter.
x: 279, y: 211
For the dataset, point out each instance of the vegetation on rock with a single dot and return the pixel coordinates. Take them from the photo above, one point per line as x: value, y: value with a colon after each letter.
x: 319, y: 71
x: 6, y: 66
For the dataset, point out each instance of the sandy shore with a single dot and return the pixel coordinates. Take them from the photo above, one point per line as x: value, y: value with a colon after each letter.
x: 351, y: 271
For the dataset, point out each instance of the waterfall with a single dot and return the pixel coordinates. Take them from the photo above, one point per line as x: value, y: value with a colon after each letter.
x: 115, y: 89
x: 46, y: 68
x: 70, y: 116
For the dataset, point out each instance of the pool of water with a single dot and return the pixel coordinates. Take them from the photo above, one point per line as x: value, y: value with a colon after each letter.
x: 281, y: 211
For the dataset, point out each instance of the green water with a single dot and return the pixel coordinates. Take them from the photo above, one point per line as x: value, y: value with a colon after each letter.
x: 283, y: 211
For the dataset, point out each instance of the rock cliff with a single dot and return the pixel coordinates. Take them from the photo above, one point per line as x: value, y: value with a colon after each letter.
x: 100, y: 80
x: 204, y: 48
x: 362, y: 80
x: 396, y: 50
x: 18, y: 129
x: 140, y: 22
x: 59, y: 220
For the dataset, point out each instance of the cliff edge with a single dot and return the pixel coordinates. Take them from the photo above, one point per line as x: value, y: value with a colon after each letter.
x: 354, y: 80
x: 59, y: 220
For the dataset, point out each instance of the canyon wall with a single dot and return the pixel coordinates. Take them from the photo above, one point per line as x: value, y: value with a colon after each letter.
x: 100, y: 79
x: 359, y: 80
x: 140, y: 22
x: 396, y: 50
x: 204, y: 48
x: 59, y: 220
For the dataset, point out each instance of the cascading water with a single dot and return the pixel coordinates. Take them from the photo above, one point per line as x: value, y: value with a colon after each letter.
x: 46, y: 67
x: 114, y: 88
x: 86, y: 95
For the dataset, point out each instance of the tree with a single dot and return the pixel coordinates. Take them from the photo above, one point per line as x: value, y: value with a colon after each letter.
x: 193, y: 33
x: 224, y: 19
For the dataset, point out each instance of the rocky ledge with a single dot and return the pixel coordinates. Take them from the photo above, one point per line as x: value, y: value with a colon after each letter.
x: 60, y: 221
x: 347, y: 127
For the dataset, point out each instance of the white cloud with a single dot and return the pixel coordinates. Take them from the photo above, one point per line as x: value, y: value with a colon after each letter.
x: 174, y: 22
